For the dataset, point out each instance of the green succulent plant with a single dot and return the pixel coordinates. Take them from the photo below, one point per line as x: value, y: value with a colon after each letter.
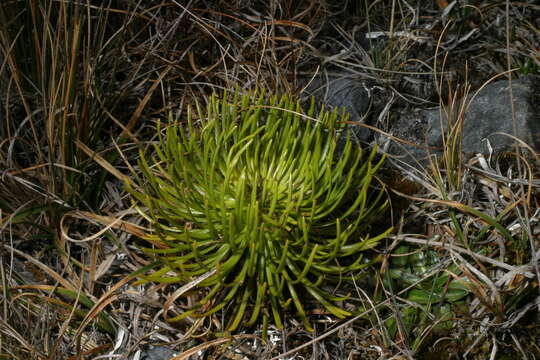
x: 436, y: 293
x: 259, y: 192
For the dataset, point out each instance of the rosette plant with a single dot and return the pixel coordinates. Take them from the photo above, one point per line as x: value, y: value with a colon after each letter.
x: 257, y: 195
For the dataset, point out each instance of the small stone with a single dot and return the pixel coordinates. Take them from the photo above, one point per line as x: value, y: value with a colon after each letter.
x: 341, y: 91
x: 158, y: 353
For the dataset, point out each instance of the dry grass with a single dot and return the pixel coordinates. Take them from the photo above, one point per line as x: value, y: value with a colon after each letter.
x: 82, y: 84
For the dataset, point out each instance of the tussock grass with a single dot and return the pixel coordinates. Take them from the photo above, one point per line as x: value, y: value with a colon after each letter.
x: 82, y: 85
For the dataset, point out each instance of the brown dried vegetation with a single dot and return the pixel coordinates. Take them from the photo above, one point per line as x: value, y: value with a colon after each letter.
x: 81, y: 87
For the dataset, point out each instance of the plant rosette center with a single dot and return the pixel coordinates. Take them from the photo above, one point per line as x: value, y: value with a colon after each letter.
x: 256, y: 197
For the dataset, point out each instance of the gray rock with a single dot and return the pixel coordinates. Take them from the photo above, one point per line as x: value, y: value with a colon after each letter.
x: 488, y: 114
x: 158, y: 353
x: 343, y: 91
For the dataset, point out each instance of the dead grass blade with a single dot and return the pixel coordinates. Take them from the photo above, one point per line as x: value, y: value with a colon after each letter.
x: 101, y: 161
x: 46, y: 269
x: 137, y: 114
